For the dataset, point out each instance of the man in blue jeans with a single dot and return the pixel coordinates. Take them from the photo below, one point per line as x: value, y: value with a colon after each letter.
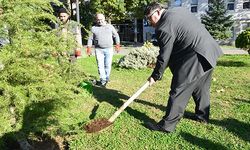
x: 102, y: 35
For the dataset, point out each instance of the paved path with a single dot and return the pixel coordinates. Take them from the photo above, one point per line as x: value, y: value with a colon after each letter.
x: 234, y: 52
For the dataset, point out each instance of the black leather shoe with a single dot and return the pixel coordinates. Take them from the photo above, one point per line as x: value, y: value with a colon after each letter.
x: 195, y: 118
x: 200, y: 120
x: 155, y: 127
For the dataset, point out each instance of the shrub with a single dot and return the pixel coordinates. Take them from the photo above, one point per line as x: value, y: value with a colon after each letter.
x: 140, y: 58
x: 243, y: 40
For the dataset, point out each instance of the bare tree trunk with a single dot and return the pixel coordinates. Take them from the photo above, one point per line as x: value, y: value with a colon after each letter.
x: 78, y: 20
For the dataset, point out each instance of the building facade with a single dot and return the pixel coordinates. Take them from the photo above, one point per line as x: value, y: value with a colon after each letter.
x: 239, y: 9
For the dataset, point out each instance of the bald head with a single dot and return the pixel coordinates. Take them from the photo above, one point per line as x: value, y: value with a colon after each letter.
x: 100, y: 19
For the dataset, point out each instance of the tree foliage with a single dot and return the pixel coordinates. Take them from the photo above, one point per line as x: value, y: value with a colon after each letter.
x: 114, y: 10
x: 35, y: 70
x: 117, y: 9
x: 135, y: 8
x: 216, y: 20
x: 243, y: 40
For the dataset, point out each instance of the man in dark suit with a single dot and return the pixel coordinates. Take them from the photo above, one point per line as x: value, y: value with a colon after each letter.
x: 190, y: 52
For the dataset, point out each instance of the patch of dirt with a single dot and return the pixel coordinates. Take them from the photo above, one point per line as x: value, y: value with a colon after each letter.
x: 38, y: 142
x: 45, y: 143
x: 97, y: 125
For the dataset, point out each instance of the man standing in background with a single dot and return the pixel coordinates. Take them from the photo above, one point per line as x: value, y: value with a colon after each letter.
x: 69, y: 26
x: 101, y: 36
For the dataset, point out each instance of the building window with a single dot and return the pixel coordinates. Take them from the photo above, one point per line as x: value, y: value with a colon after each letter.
x: 193, y: 9
x: 194, y: 6
x: 178, y: 2
x: 246, y: 5
x: 245, y: 25
x: 230, y: 5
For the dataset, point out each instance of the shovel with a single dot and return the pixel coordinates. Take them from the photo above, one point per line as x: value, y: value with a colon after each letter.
x: 103, y: 123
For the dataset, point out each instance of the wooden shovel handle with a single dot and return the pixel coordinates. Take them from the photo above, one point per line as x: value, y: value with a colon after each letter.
x: 130, y: 100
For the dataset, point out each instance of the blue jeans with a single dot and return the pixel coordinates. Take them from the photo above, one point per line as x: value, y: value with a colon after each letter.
x: 104, y: 62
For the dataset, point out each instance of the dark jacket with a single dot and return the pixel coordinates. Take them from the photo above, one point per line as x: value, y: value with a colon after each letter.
x: 180, y: 36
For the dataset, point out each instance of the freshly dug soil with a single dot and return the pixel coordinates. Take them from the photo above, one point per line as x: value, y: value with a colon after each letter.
x: 97, y: 125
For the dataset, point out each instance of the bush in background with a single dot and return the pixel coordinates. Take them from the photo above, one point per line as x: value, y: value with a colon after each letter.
x: 140, y: 58
x: 243, y: 40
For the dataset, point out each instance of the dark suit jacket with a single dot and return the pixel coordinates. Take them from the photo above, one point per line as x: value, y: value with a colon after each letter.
x: 180, y: 36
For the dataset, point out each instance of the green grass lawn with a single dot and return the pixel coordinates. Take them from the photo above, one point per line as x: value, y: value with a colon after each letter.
x: 229, y: 127
x: 63, y: 121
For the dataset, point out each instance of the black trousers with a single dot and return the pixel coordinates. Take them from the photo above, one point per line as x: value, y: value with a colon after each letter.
x: 199, y: 89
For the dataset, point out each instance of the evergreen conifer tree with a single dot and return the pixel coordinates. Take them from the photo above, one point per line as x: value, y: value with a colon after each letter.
x: 35, y: 73
x: 216, y: 20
